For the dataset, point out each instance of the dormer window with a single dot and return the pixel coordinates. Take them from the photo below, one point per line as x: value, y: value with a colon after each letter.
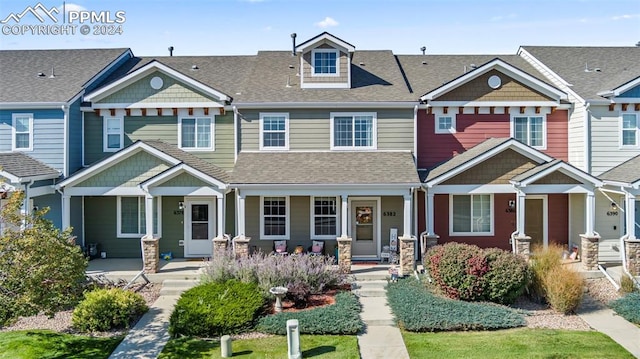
x: 325, y: 62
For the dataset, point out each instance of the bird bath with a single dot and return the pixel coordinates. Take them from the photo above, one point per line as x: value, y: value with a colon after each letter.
x: 279, y: 292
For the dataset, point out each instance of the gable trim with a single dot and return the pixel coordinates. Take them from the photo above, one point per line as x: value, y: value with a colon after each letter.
x: 503, y: 67
x: 620, y: 89
x: 147, y: 69
x: 563, y: 168
x: 304, y: 46
x: 177, y: 170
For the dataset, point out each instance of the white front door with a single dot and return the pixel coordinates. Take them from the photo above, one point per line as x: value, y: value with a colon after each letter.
x: 199, y: 227
x: 364, y: 228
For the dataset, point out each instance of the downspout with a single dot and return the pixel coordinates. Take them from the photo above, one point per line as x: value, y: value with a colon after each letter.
x: 65, y: 145
x: 587, y: 146
x: 415, y: 134
x: 235, y: 134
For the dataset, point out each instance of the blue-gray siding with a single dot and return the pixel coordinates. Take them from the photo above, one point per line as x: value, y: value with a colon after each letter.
x: 74, y: 149
x: 634, y: 92
x: 54, y: 203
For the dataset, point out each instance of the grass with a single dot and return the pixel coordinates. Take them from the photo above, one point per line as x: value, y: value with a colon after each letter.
x: 43, y: 344
x: 513, y: 343
x: 313, y: 346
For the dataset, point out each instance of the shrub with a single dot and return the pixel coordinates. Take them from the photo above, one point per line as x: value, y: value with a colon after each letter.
x: 213, y: 309
x: 106, y: 309
x: 341, y: 318
x: 418, y: 310
x: 628, y: 307
x: 542, y: 262
x: 466, y: 272
x: 303, y: 275
x: 563, y: 288
x: 627, y: 285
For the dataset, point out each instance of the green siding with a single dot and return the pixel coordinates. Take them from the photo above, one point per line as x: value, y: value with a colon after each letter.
x: 310, y: 129
x: 76, y: 219
x: 172, y: 226
x: 184, y: 180
x: 172, y: 91
x: 230, y: 214
x: 163, y: 128
x: 100, y: 227
x: 391, y: 205
x: 128, y: 173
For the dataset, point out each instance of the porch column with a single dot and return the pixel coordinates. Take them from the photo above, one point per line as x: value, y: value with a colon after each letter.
x: 523, y: 242
x: 630, y: 216
x: 344, y: 241
x: 344, y: 216
x: 66, y: 211
x: 430, y: 239
x: 148, y: 215
x: 589, y: 240
x: 150, y: 245
x: 241, y: 217
x: 220, y: 213
x: 406, y: 229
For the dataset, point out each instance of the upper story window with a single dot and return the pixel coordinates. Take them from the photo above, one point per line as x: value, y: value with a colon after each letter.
x: 471, y: 215
x: 196, y: 133
x: 353, y: 131
x: 529, y: 130
x: 22, y: 132
x: 629, y: 130
x: 274, y: 131
x: 113, y: 134
x: 446, y: 124
x: 325, y: 62
x: 274, y: 218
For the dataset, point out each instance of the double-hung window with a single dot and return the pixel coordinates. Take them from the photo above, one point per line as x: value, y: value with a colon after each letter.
x: 446, y: 124
x: 132, y: 216
x: 325, y: 62
x: 22, y: 132
x: 353, y: 131
x: 274, y: 131
x: 324, y: 217
x: 471, y: 215
x: 529, y: 130
x: 274, y: 218
x: 113, y: 134
x: 629, y: 130
x: 196, y: 133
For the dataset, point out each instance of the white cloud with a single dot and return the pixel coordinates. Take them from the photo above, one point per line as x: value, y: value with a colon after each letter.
x: 505, y: 17
x: 626, y: 17
x: 268, y: 28
x: 327, y: 22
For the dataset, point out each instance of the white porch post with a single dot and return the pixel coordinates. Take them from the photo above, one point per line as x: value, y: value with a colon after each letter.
x: 241, y: 217
x: 406, y: 229
x: 630, y: 215
x: 220, y: 213
x: 429, y: 212
x: 590, y: 212
x: 66, y: 211
x: 520, y: 211
x: 148, y: 213
x: 344, y: 216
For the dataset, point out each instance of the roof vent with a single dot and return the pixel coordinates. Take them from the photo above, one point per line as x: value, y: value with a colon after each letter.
x: 288, y: 81
x: 53, y: 73
x: 473, y: 66
x: 293, y: 39
x: 423, y: 49
x: 170, y: 50
x: 361, y: 63
x: 597, y: 69
x: 291, y: 66
x: 41, y: 74
x: 194, y: 67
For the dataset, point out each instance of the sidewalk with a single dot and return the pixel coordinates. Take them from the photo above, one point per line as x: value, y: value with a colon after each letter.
x: 606, y: 321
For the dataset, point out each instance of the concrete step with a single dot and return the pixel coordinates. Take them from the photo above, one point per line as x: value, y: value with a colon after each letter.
x: 369, y: 284
x: 176, y: 286
x: 369, y: 276
x: 370, y: 292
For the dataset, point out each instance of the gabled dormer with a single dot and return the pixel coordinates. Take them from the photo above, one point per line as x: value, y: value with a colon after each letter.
x: 325, y: 62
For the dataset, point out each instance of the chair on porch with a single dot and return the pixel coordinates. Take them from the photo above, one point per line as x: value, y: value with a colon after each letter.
x: 390, y: 252
x: 317, y: 248
x: 280, y: 248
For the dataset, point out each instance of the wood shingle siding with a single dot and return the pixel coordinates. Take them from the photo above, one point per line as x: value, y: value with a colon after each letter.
x: 479, y: 90
x: 499, y: 169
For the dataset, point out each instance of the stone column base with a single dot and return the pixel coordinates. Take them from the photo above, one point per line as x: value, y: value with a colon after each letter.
x: 151, y: 250
x: 241, y: 246
x: 589, y: 251
x: 632, y: 248
x: 344, y: 254
x: 407, y: 255
x: 219, y: 246
x: 523, y: 246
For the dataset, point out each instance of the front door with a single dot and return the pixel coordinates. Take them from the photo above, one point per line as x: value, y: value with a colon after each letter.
x: 364, y: 229
x: 199, y: 227
x: 534, y: 221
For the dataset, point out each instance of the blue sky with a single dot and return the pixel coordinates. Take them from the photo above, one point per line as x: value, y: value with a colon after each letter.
x: 231, y: 27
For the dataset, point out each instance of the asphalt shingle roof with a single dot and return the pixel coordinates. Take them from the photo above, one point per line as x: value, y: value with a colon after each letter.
x: 618, y: 65
x: 24, y: 166
x: 627, y: 172
x: 19, y: 80
x: 325, y: 168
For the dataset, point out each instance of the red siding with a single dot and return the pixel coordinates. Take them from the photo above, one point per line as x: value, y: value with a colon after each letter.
x: 472, y: 129
x: 558, y: 218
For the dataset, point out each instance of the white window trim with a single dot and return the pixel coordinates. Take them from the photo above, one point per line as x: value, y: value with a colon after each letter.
x: 471, y: 234
x: 212, y: 147
x: 446, y: 131
x: 287, y: 230
x: 286, y: 131
x: 105, y: 134
x: 312, y: 224
x: 353, y: 115
x: 313, y: 62
x: 637, y: 129
x: 141, y: 201
x: 13, y: 131
x: 528, y: 115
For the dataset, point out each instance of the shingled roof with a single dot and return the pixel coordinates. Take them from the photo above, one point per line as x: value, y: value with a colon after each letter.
x: 25, y: 167
x: 617, y: 66
x: 19, y: 69
x: 190, y: 160
x: 626, y: 172
x: 325, y: 168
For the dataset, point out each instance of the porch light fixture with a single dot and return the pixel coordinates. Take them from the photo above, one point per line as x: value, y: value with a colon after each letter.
x: 512, y: 203
x: 180, y: 205
x: 614, y: 206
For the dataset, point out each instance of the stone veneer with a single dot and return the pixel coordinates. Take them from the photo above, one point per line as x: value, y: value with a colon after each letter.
x: 407, y: 255
x: 589, y: 251
x: 219, y: 246
x: 241, y: 246
x: 150, y: 246
x: 632, y: 247
x: 344, y: 254
x: 523, y: 246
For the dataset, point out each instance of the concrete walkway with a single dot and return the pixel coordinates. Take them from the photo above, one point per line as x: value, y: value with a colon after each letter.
x: 381, y: 338
x: 608, y: 322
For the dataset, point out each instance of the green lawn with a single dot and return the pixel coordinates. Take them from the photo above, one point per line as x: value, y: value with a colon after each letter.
x: 313, y: 346
x: 41, y: 344
x: 514, y: 343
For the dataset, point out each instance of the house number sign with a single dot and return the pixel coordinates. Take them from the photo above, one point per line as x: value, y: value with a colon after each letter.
x: 389, y: 214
